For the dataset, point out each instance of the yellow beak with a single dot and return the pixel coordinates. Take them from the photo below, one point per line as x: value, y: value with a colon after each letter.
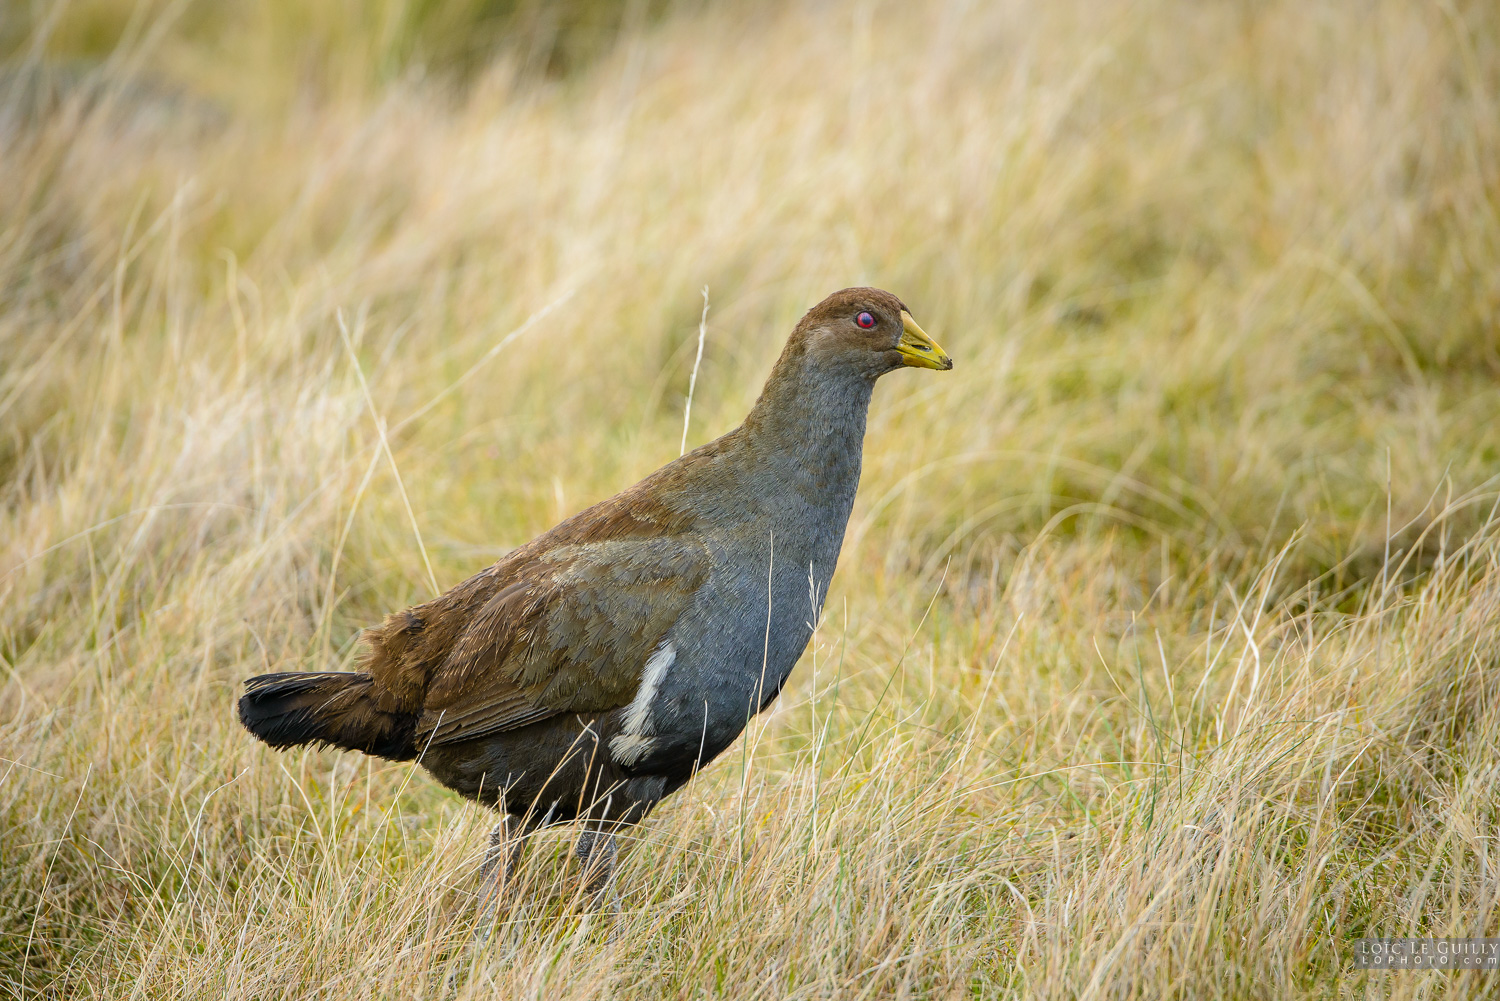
x: 917, y: 349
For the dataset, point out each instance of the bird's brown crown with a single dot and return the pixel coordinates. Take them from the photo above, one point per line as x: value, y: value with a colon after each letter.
x: 848, y: 302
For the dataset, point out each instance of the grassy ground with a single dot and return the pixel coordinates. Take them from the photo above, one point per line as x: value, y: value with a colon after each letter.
x: 1164, y: 657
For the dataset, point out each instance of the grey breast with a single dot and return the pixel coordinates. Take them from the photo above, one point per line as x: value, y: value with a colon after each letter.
x: 729, y: 654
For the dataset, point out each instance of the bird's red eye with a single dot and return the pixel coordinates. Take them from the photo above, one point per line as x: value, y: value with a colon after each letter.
x: 865, y: 320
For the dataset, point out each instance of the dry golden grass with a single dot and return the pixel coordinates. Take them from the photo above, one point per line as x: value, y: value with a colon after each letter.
x: 1165, y: 653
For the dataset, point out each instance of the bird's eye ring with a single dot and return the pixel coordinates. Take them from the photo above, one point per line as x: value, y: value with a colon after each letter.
x: 866, y: 320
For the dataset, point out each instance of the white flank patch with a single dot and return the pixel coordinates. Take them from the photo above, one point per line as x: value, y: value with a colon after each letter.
x: 627, y: 748
x: 633, y: 740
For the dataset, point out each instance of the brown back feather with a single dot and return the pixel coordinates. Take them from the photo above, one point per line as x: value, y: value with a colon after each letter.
x: 562, y: 624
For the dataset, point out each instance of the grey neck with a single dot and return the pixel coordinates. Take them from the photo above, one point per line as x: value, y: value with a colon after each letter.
x: 808, y: 430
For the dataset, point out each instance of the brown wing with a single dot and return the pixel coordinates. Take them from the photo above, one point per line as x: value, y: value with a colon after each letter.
x: 574, y: 636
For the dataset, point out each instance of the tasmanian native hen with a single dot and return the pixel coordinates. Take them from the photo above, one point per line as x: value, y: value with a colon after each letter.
x: 590, y: 672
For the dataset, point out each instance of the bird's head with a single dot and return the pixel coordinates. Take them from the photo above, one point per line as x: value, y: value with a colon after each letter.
x: 867, y: 330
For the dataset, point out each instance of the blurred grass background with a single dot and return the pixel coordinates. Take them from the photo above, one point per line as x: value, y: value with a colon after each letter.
x: 348, y: 48
x: 1162, y: 657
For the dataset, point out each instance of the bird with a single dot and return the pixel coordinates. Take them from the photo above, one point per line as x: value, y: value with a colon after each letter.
x: 591, y: 672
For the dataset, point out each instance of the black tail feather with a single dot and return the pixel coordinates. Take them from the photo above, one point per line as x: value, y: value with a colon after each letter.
x: 326, y: 707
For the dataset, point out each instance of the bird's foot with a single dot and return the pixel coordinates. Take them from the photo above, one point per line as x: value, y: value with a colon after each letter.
x: 501, y: 861
x: 597, y: 852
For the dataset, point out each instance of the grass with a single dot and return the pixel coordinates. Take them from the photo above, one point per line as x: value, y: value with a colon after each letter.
x: 1163, y: 656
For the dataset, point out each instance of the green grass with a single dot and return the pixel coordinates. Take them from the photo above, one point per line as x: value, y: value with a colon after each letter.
x: 1163, y: 656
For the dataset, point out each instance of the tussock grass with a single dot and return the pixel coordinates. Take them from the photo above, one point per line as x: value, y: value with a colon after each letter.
x: 1162, y: 660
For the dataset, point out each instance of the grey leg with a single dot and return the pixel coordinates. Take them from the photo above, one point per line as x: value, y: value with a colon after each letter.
x: 596, y: 853
x: 501, y: 860
x: 503, y: 856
